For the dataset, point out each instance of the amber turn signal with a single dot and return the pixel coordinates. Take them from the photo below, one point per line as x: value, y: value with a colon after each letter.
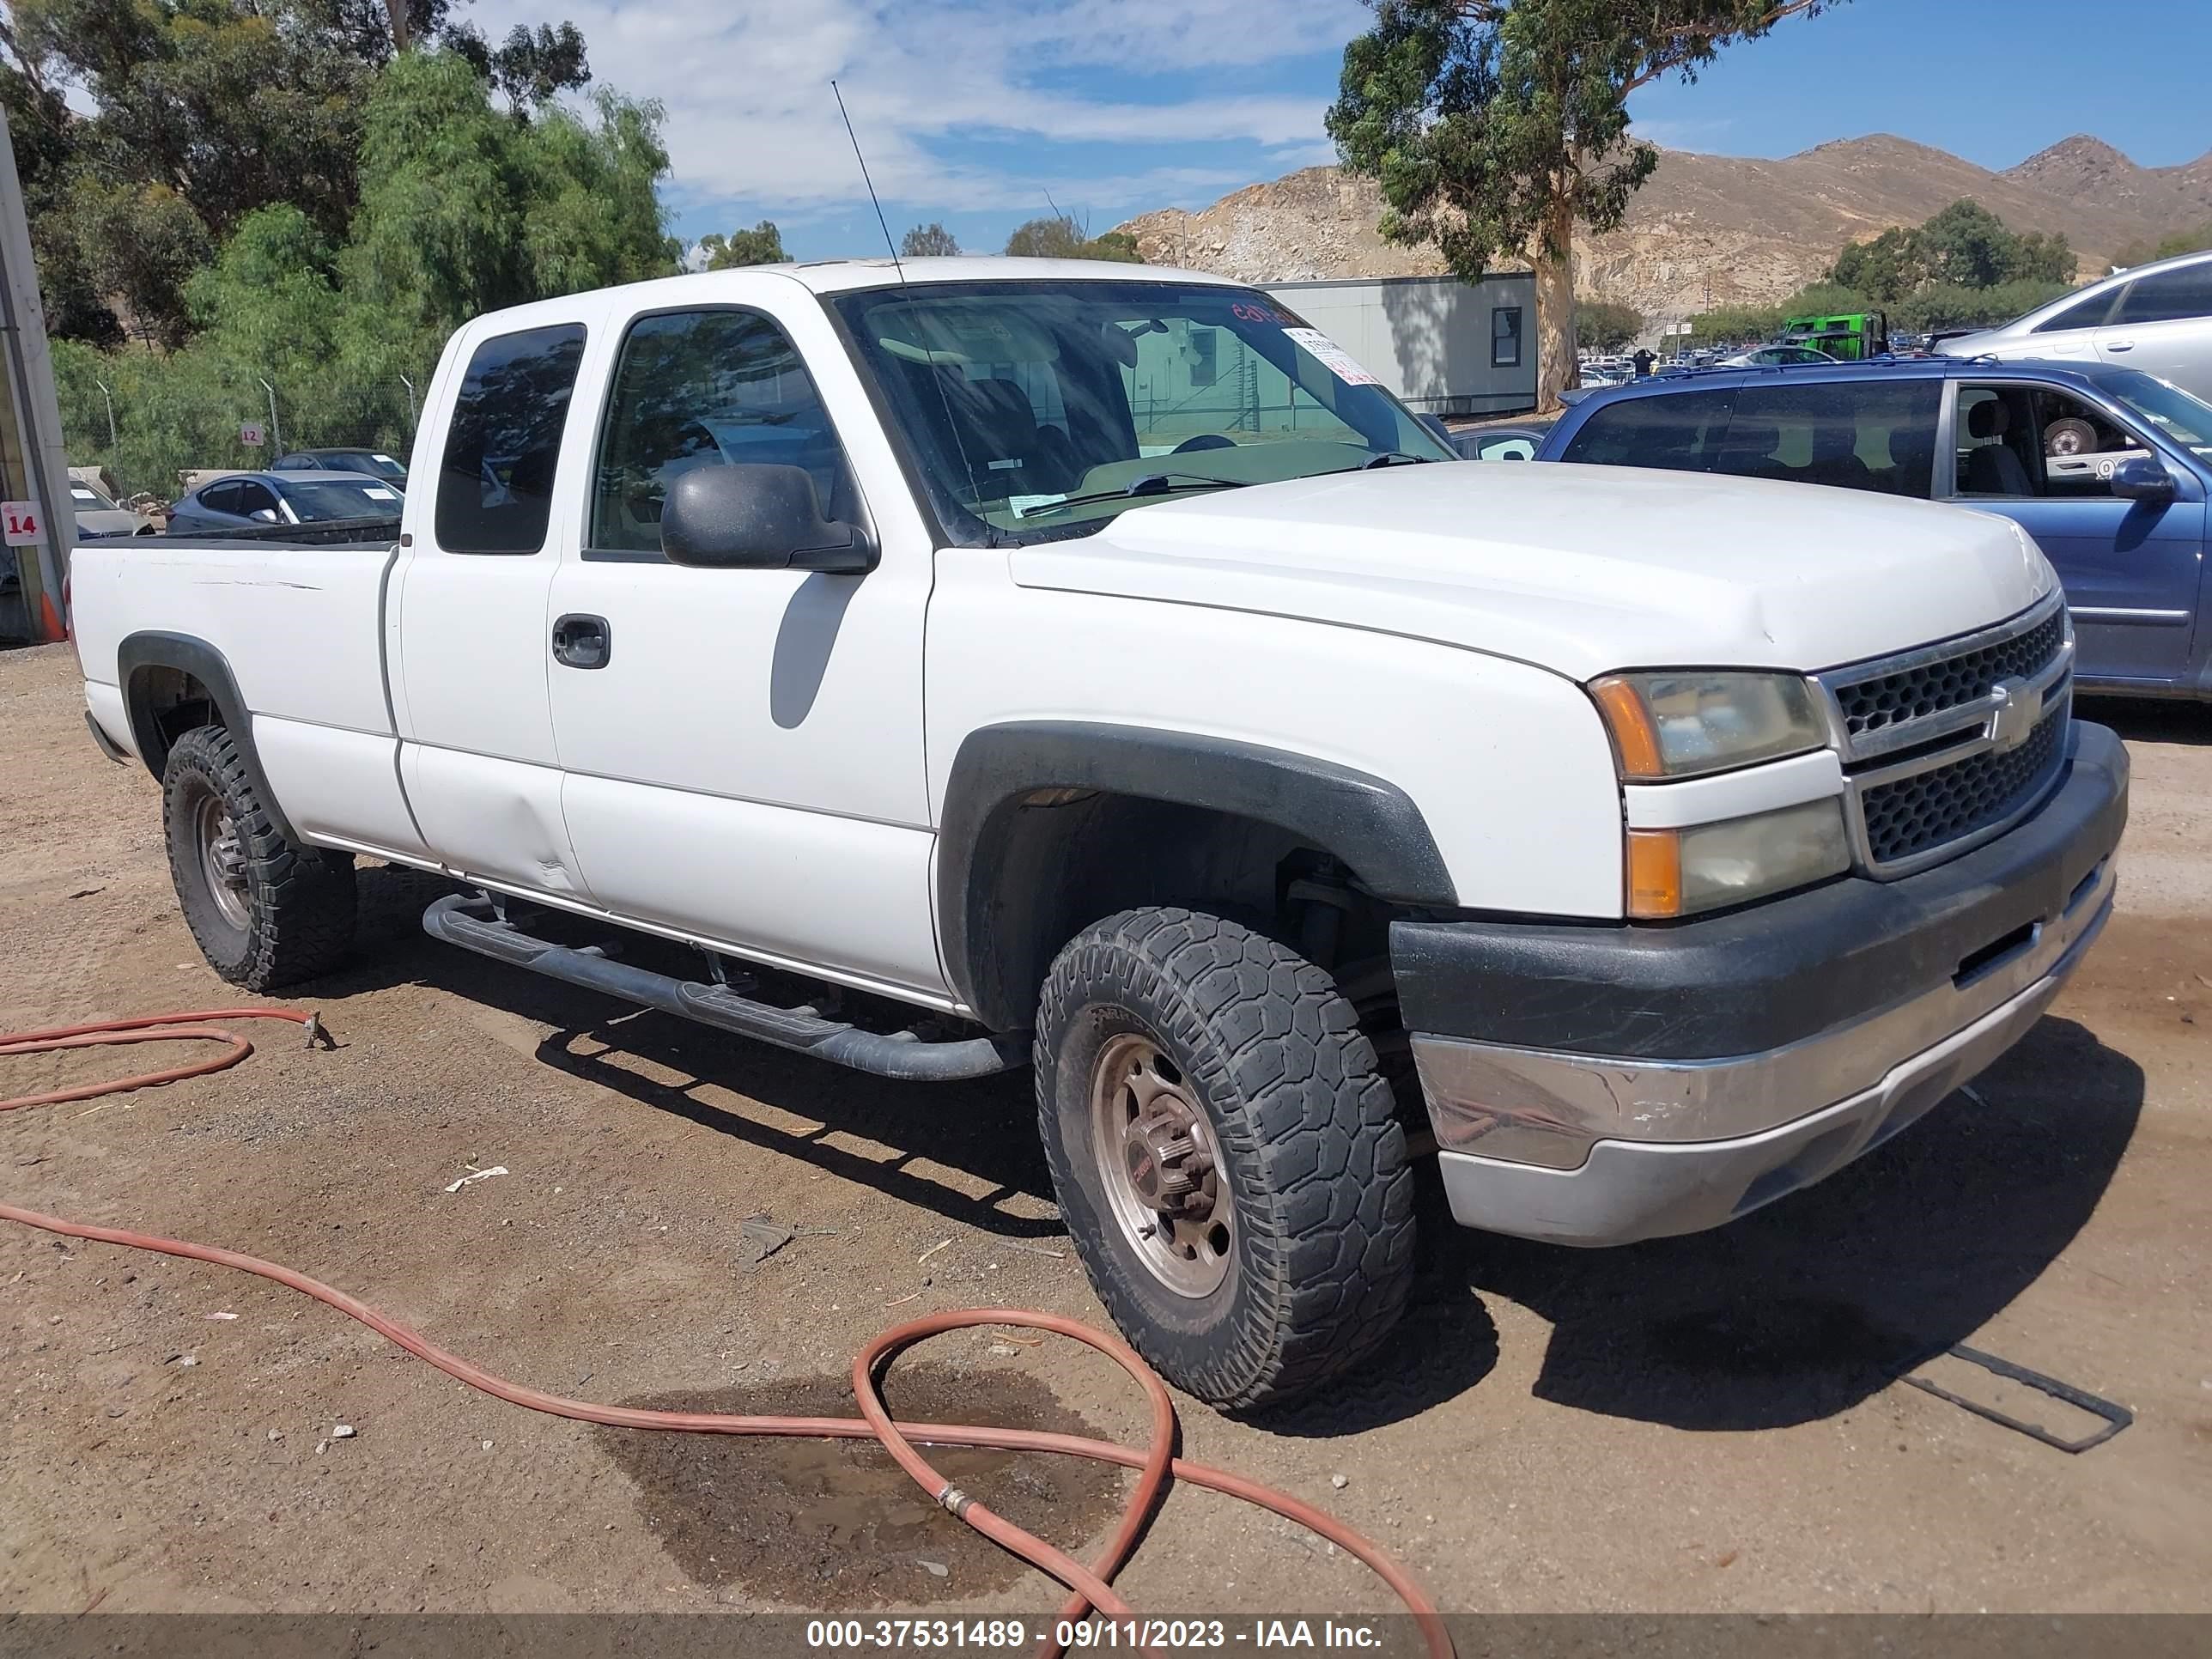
x: 1654, y: 874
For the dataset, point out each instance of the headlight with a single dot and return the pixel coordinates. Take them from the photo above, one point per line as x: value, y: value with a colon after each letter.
x: 1679, y: 872
x: 1679, y: 723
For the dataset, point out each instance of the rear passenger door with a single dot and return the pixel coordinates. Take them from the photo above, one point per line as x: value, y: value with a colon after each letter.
x: 2163, y: 327
x: 469, y: 686
x: 256, y: 499
x: 2131, y: 569
x: 743, y: 752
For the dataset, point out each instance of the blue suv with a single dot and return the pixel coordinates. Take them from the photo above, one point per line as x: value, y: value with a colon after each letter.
x: 2109, y: 469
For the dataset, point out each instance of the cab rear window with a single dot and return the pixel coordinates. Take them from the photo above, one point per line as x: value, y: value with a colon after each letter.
x: 495, y: 483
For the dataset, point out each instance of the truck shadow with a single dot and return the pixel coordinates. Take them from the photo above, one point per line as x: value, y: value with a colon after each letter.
x: 2151, y: 719
x: 967, y: 1152
x: 1794, y: 1313
x: 1802, y: 1309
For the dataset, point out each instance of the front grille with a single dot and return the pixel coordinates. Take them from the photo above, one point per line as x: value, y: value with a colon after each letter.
x: 1884, y: 700
x: 1913, y: 814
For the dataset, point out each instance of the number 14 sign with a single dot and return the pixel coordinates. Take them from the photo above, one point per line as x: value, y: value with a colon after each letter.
x: 22, y: 519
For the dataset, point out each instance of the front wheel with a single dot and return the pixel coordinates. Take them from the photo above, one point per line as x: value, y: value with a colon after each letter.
x: 1225, y: 1153
x: 265, y: 911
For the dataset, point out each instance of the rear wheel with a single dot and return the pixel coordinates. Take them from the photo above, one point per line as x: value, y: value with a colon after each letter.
x: 265, y: 911
x: 1225, y: 1153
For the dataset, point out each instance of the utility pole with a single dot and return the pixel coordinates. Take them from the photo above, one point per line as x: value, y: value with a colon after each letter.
x: 26, y: 379
x: 412, y: 417
x: 276, y: 432
x: 110, y: 402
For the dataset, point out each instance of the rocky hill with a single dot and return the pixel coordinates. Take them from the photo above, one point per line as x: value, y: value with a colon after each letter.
x: 1712, y: 230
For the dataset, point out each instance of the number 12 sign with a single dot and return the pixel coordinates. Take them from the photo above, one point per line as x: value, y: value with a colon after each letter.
x: 22, y: 519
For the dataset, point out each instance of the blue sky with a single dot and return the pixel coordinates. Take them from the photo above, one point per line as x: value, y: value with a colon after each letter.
x: 977, y: 112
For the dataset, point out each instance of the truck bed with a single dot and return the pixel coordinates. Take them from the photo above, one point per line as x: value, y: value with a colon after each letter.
x: 301, y: 629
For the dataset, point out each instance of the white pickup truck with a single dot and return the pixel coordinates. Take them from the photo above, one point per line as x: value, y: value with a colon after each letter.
x: 1090, y: 666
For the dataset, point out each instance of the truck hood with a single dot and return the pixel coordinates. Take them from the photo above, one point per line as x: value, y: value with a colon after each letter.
x: 1580, y: 569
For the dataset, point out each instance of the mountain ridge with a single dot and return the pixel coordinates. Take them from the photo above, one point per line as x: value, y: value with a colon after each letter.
x: 1713, y: 229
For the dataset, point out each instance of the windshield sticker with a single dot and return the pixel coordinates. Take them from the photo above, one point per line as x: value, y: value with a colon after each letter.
x: 1024, y: 504
x: 386, y: 459
x: 1252, y: 311
x: 379, y: 493
x: 1332, y: 356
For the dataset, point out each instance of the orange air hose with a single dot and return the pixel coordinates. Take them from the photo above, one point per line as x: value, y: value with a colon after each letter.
x: 1089, y: 1587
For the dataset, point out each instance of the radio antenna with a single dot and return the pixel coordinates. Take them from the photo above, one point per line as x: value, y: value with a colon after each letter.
x: 869, y: 182
x: 936, y: 379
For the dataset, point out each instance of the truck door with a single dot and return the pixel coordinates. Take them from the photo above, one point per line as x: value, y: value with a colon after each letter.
x: 744, y: 748
x: 469, y: 686
x: 2131, y: 569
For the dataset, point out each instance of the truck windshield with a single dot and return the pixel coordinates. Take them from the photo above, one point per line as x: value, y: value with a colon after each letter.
x: 2185, y: 420
x: 1040, y: 410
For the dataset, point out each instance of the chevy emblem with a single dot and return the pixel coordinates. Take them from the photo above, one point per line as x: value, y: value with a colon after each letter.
x: 2015, y: 709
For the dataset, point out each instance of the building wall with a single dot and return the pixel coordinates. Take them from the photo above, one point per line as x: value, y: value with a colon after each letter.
x: 1430, y: 339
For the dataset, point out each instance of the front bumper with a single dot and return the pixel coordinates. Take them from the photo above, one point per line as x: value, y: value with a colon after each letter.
x: 1730, y: 1061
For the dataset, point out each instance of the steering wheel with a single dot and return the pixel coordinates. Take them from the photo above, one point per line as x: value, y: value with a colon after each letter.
x: 1203, y: 440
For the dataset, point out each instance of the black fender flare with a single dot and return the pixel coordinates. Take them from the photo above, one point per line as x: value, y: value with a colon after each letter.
x: 1372, y: 825
x: 135, y: 660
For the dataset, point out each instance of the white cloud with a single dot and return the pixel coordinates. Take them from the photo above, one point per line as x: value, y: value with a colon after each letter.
x: 752, y: 123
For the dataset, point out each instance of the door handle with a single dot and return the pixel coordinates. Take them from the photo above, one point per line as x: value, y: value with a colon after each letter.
x: 581, y: 641
x: 2119, y: 345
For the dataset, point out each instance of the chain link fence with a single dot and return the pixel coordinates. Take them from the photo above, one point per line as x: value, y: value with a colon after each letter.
x: 152, y: 434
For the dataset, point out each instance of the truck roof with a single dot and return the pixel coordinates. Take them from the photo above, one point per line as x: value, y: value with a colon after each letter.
x: 830, y: 276
x: 1672, y: 379
x: 839, y: 276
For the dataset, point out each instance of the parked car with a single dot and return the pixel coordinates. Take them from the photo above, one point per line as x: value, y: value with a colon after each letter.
x: 99, y: 514
x: 851, y: 621
x: 2156, y: 318
x: 374, y: 463
x: 2124, y: 521
x: 267, y: 498
x: 1777, y: 356
x: 1498, y: 443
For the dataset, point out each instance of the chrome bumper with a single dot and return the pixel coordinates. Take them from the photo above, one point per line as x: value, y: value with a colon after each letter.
x: 1589, y: 1150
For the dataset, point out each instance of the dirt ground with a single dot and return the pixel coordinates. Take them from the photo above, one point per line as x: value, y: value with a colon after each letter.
x: 1714, y: 1423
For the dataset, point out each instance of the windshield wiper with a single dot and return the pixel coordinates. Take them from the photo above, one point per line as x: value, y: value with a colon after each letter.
x: 1152, y: 484
x: 1392, y: 458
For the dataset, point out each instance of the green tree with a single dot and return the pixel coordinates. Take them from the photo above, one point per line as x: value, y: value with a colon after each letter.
x: 1602, y: 325
x: 204, y: 112
x: 1728, y: 325
x: 1055, y: 237
x: 761, y: 246
x: 465, y: 209
x: 1495, y: 125
x: 528, y: 69
x: 1062, y: 236
x: 1964, y: 246
x: 928, y: 241
x: 1887, y: 268
x: 2169, y: 246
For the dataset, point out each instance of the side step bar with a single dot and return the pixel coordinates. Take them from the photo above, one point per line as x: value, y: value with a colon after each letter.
x: 463, y: 920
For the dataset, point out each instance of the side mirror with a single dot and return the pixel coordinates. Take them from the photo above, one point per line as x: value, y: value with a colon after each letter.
x: 757, y: 516
x: 1436, y: 425
x: 2143, y: 478
x: 265, y: 514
